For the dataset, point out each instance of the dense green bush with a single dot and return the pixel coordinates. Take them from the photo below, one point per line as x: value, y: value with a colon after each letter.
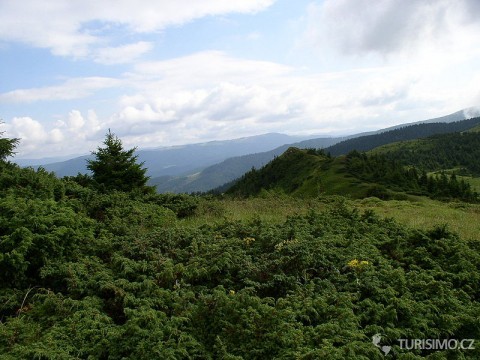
x: 92, y: 274
x: 316, y: 286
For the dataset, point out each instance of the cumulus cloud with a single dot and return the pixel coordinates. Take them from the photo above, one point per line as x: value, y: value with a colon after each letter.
x: 32, y: 134
x: 75, y: 134
x: 211, y: 95
x: 78, y: 128
x: 27, y: 129
x: 77, y: 28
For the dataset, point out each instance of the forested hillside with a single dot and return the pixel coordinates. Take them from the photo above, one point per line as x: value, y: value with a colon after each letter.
x: 417, y: 131
x: 311, y: 173
x: 447, y: 151
x: 102, y: 267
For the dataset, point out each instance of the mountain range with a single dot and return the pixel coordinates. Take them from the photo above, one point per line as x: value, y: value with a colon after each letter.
x: 227, y: 171
x: 205, y: 166
x: 442, y: 166
x: 176, y: 160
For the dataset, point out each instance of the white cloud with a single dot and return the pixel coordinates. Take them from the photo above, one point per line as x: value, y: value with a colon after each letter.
x: 211, y: 95
x: 207, y: 67
x: 76, y: 134
x: 122, y: 54
x: 71, y: 89
x: 75, y: 120
x: 32, y: 134
x: 72, y: 28
x: 27, y: 129
x: 78, y: 128
x: 390, y: 27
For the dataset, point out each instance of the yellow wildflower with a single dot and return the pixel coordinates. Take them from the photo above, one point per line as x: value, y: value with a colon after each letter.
x: 357, y: 264
x: 249, y: 240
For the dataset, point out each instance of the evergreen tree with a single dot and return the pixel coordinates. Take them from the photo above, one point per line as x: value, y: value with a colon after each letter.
x: 7, y: 146
x: 116, y: 168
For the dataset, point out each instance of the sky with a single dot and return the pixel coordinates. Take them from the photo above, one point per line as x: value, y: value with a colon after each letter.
x: 171, y: 72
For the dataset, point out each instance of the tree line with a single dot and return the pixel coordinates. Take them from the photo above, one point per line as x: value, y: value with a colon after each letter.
x: 447, y: 151
x: 396, y: 175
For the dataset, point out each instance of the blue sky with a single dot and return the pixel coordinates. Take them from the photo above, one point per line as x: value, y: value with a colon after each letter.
x: 165, y: 72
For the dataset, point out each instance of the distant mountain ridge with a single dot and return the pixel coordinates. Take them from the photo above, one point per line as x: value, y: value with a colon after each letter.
x: 177, y: 160
x: 409, y: 132
x: 227, y: 171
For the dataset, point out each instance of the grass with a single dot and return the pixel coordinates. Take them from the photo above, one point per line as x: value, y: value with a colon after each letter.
x: 474, y: 129
x: 422, y: 213
x: 403, y: 145
x: 474, y: 182
x: 462, y: 218
x: 330, y: 177
x: 267, y: 207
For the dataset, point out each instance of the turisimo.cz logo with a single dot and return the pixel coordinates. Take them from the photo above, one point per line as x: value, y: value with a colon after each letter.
x: 426, y: 344
x: 437, y: 344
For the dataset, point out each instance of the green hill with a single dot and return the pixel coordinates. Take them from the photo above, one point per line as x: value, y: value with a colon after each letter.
x: 309, y: 173
x: 303, y: 173
x: 459, y: 151
x: 230, y: 169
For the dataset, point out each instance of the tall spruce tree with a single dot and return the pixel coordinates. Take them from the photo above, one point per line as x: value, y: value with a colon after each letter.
x: 116, y: 168
x: 7, y: 146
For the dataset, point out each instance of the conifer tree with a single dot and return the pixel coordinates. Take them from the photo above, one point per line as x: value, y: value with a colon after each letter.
x: 7, y: 146
x: 116, y: 168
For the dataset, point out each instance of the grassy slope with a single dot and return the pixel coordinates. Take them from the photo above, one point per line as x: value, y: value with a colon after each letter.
x: 430, y: 147
x: 302, y: 174
x: 319, y: 177
x: 474, y: 129
x: 420, y: 214
x: 333, y: 179
x: 410, y: 145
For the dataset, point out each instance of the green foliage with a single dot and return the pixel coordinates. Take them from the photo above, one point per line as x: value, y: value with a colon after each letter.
x: 115, y: 168
x: 114, y: 275
x: 455, y: 150
x: 7, y: 146
x: 121, y: 214
x: 252, y: 290
x: 380, y: 169
x: 286, y: 173
x: 29, y: 183
x: 182, y: 205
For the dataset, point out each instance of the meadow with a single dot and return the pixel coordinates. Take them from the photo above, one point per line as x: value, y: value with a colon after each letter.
x: 417, y: 212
